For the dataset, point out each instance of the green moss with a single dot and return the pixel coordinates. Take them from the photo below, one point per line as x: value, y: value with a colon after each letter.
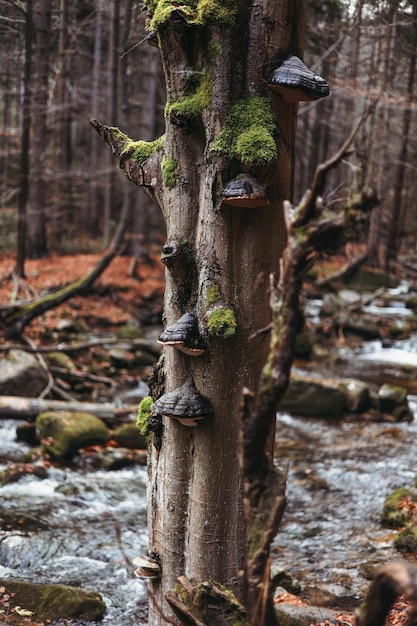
x: 144, y: 413
x: 214, y: 49
x: 211, y: 602
x: 193, y: 12
x: 217, y: 11
x: 222, y: 322
x: 395, y: 514
x: 256, y: 146
x: 63, y: 433
x: 141, y: 151
x: 249, y: 133
x: 162, y: 10
x: 407, y: 539
x: 212, y: 295
x: 51, y: 602
x: 127, y: 436
x: 169, y: 171
x: 118, y: 136
x: 191, y: 106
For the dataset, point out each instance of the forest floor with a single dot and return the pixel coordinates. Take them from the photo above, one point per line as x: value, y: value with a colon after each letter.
x: 117, y: 296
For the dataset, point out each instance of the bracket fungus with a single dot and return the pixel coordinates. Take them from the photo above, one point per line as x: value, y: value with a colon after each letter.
x: 244, y: 191
x: 185, y: 404
x: 296, y: 83
x: 147, y: 567
x: 184, y: 335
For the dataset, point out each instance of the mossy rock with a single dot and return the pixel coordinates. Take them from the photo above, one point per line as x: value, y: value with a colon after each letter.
x: 358, y: 394
x: 143, y: 358
x: 60, y: 359
x: 21, y: 374
x: 56, y: 602
x: 128, y: 436
x: 303, y: 345
x: 120, y: 358
x: 370, y: 280
x: 391, y: 397
x: 130, y: 331
x: 311, y: 397
x: 411, y: 302
x: 63, y: 433
x: 358, y: 324
x: 407, y: 539
x: 392, y: 514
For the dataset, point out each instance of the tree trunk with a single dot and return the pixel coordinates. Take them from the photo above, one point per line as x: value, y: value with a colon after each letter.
x: 24, y: 150
x: 91, y: 217
x: 380, y: 144
x: 219, y: 259
x: 393, y: 239
x: 111, y: 112
x: 36, y: 224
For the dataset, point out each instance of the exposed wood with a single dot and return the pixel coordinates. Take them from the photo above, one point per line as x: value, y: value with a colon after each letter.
x: 16, y: 407
x: 139, y: 344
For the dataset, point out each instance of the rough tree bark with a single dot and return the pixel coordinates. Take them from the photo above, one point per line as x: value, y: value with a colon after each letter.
x: 222, y: 120
x: 25, y: 144
x: 36, y: 217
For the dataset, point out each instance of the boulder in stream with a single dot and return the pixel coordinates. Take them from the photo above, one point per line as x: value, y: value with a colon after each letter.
x: 50, y: 602
x: 314, y: 397
x: 407, y: 539
x: 295, y: 615
x: 21, y: 374
x: 329, y: 398
x: 129, y: 436
x: 63, y: 433
x: 399, y: 507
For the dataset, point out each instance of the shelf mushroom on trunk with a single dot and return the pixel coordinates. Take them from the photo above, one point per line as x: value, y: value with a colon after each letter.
x: 184, y: 335
x: 296, y: 83
x: 185, y: 404
x: 147, y: 567
x: 244, y: 191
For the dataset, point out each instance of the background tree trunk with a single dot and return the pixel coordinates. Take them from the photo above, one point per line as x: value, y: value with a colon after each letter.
x: 36, y: 222
x: 92, y: 218
x: 393, y: 237
x: 375, y: 239
x: 25, y: 143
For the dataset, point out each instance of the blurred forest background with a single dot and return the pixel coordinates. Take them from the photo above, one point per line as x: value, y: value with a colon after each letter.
x: 65, y: 61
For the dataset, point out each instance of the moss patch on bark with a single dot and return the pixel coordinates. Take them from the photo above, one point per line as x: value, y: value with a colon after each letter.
x: 249, y: 133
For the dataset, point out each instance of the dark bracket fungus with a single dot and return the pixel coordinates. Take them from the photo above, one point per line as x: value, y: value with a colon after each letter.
x: 184, y: 335
x: 185, y: 404
x: 244, y: 191
x: 178, y: 256
x: 296, y: 83
x: 177, y: 253
x: 147, y: 567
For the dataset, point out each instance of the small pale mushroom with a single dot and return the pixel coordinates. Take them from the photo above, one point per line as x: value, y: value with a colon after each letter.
x: 244, y: 191
x: 184, y: 335
x: 185, y: 404
x: 296, y: 83
x: 146, y: 567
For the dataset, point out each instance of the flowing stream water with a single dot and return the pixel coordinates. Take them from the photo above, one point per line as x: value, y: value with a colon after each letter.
x: 76, y: 528
x: 84, y: 527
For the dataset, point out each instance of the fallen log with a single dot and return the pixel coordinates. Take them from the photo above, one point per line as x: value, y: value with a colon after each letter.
x: 16, y: 407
